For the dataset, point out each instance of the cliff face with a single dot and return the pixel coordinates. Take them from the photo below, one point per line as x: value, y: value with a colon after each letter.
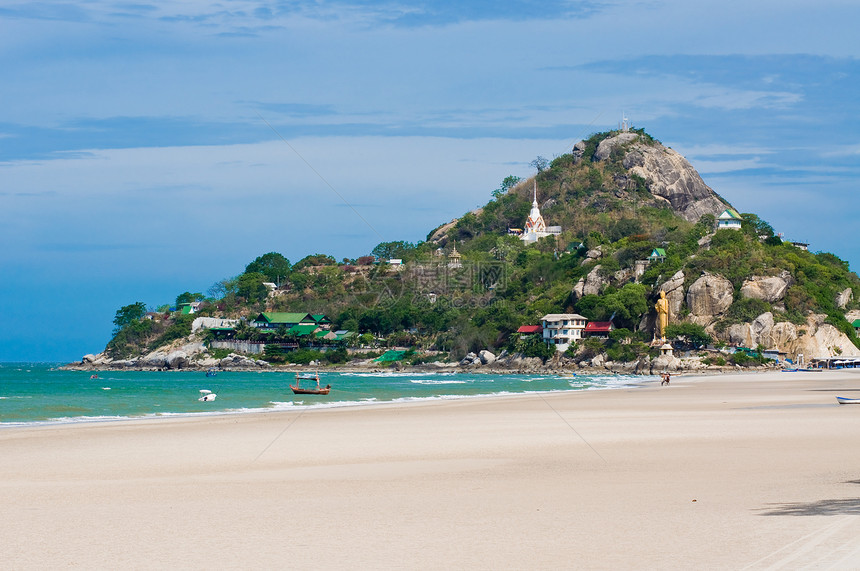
x: 815, y: 339
x: 669, y: 176
x: 709, y: 298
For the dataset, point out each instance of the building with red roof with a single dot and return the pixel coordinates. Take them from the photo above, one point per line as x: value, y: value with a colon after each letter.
x: 598, y: 329
x: 530, y: 329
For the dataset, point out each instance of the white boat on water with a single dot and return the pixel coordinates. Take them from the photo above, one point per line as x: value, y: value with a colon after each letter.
x: 845, y: 400
x: 206, y: 395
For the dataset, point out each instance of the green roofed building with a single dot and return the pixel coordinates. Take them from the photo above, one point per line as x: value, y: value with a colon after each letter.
x: 221, y: 333
x: 321, y: 319
x: 189, y: 308
x: 657, y: 255
x: 303, y: 329
x: 274, y: 320
x: 729, y: 219
x: 344, y: 335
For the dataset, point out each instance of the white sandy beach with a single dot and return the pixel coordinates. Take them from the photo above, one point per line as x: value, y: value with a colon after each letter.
x: 756, y: 471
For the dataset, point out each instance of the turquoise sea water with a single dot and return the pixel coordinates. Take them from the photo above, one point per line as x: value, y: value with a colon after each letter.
x: 35, y: 393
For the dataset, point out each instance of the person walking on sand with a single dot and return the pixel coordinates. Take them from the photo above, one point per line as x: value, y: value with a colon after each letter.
x: 665, y: 377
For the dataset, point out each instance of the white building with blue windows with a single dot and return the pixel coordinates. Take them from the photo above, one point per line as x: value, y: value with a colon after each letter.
x: 562, y: 329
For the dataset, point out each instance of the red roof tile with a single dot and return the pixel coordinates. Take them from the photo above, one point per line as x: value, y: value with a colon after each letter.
x: 598, y: 326
x: 530, y: 329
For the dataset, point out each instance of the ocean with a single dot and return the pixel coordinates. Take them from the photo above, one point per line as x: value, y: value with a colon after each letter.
x: 40, y: 393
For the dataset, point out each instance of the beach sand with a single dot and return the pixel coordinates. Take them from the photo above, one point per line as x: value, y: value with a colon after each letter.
x: 757, y: 471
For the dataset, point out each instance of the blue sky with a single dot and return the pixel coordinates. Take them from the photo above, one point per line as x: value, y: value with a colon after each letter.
x: 137, y: 161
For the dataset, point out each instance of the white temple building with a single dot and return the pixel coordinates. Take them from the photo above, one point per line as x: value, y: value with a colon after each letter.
x: 536, y: 228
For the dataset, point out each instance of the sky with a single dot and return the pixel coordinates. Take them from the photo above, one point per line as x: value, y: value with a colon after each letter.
x: 147, y: 149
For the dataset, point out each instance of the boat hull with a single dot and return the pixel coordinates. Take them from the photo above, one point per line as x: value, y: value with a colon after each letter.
x: 844, y: 400
x: 301, y: 391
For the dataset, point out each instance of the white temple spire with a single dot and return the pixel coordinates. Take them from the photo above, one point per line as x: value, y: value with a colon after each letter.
x: 536, y: 227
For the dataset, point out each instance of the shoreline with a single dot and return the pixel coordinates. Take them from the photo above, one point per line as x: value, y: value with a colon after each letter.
x: 613, y: 368
x: 723, y: 471
x: 631, y: 381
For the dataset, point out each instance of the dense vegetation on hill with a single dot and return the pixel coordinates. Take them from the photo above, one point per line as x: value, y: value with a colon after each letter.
x: 503, y: 283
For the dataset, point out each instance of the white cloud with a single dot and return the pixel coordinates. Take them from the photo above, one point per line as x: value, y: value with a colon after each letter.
x: 840, y: 151
x: 183, y: 214
x: 711, y: 167
x: 719, y: 149
x: 403, y: 187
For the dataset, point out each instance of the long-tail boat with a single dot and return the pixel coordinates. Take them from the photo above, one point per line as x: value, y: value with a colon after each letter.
x: 298, y: 390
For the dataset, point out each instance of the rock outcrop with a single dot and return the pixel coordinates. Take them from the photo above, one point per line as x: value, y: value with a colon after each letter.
x: 578, y: 289
x: 486, y: 357
x: 758, y: 332
x: 769, y: 289
x: 177, y: 360
x: 212, y: 322
x: 591, y: 255
x: 674, y: 288
x: 234, y: 361
x: 592, y: 284
x: 669, y: 176
x: 708, y: 297
x: 155, y: 360
x: 814, y: 339
x: 665, y: 363
x: 825, y: 340
x: 844, y: 297
x: 438, y: 236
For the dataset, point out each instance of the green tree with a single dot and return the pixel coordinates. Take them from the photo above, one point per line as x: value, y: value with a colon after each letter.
x: 128, y: 314
x: 627, y: 305
x: 300, y: 280
x: 534, y: 346
x: 339, y: 355
x: 250, y: 286
x: 755, y: 226
x: 693, y: 333
x: 388, y: 250
x: 508, y: 183
x: 272, y: 265
x: 188, y: 297
x: 540, y: 163
x: 773, y: 241
x: 222, y: 288
x: 315, y: 260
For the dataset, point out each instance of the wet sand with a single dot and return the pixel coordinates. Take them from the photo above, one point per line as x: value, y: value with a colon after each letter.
x: 757, y: 471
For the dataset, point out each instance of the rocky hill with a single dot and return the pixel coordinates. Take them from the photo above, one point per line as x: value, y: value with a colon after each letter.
x: 667, y: 175
x: 610, y: 173
x: 620, y: 194
x: 618, y: 197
